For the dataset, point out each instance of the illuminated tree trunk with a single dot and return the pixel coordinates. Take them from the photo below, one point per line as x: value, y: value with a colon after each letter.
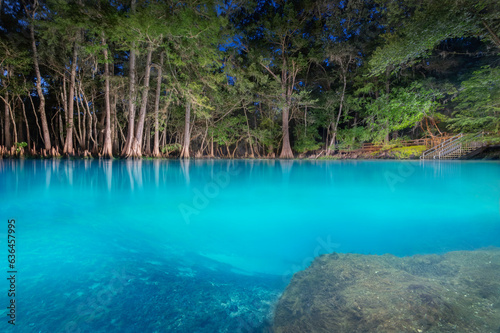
x: 28, y: 139
x: 6, y: 123
x: 114, y: 124
x: 41, y: 107
x: 248, y: 133
x: 147, y: 139
x: 387, y: 91
x: 156, y: 148
x: 187, y: 134
x: 136, y: 150
x: 107, y: 149
x: 286, y: 149
x: 131, y: 99
x: 336, y: 125
x: 345, y: 71
x: 68, y: 145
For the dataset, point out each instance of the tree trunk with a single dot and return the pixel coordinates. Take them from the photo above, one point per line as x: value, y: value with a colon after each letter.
x: 78, y: 133
x: 387, y: 91
x: 20, y: 129
x: 64, y: 98
x: 41, y: 107
x: 107, y: 148
x: 341, y: 107
x: 53, y: 127
x: 156, y: 148
x: 493, y: 35
x: 101, y: 122
x: 114, y: 125
x: 335, y: 127
x: 286, y: 150
x: 61, y: 129
x: 187, y: 134
x: 136, y: 150
x: 68, y: 145
x: 12, y: 118
x: 131, y: 99
x: 1, y: 134
x: 212, y: 146
x: 36, y: 119
x: 248, y: 133
x: 6, y: 123
x: 147, y: 139
x: 94, y: 138
x: 27, y: 125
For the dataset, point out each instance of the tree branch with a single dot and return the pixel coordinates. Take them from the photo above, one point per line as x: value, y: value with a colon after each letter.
x: 494, y: 36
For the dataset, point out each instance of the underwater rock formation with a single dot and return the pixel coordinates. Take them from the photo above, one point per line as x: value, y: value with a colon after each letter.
x: 454, y: 292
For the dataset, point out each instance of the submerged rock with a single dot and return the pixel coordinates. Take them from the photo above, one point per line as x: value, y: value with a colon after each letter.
x: 454, y: 292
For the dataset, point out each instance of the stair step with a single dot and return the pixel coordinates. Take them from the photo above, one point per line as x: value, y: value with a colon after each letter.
x: 453, y: 150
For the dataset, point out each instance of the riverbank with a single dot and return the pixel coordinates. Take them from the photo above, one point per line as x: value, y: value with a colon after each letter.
x: 490, y: 153
x: 392, y: 151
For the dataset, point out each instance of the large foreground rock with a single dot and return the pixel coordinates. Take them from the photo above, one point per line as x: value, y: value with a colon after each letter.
x: 455, y: 292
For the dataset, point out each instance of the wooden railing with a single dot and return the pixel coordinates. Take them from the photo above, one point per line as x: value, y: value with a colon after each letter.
x: 370, y: 147
x: 455, y: 147
x: 437, y: 140
x: 439, y: 147
x: 443, y: 145
x: 428, y: 142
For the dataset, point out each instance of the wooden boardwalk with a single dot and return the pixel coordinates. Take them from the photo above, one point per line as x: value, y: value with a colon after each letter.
x: 439, y: 147
x: 456, y: 147
x: 372, y: 148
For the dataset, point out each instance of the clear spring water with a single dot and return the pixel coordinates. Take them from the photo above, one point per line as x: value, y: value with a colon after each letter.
x: 207, y: 246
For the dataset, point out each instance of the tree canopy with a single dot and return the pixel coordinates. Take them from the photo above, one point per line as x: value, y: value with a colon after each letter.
x: 243, y: 79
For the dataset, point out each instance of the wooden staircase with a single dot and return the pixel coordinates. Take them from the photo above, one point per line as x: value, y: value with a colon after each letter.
x: 453, y: 148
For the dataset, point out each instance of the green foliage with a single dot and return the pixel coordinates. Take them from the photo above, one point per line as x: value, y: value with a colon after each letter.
x: 20, y: 146
x: 418, y: 27
x: 242, y: 66
x: 14, y: 63
x: 171, y: 148
x: 397, y: 142
x: 402, y: 108
x: 11, y: 56
x: 306, y: 139
x: 417, y: 40
x: 267, y: 134
x: 478, y: 102
x: 330, y: 158
x: 352, y: 138
x: 228, y: 131
x: 491, y: 138
x: 488, y: 138
x: 408, y: 152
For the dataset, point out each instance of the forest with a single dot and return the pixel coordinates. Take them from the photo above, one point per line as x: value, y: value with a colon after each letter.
x: 236, y: 79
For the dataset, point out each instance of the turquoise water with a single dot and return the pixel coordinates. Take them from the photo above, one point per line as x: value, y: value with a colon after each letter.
x: 207, y: 246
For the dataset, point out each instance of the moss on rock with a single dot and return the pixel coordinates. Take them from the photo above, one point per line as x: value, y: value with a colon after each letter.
x: 455, y: 292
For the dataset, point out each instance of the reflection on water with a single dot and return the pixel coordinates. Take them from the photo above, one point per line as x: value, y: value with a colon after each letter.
x: 135, y: 173
x: 370, y: 207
